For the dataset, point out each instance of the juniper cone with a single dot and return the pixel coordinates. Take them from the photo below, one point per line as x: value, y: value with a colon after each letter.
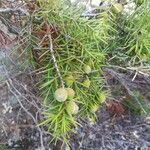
x: 72, y: 108
x: 61, y: 94
x: 95, y: 108
x: 87, y: 69
x: 102, y: 96
x: 69, y: 80
x: 117, y: 8
x: 71, y: 93
x: 87, y: 83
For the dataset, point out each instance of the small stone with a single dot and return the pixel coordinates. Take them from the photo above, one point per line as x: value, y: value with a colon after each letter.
x: 10, y: 142
x: 135, y: 133
x: 147, y: 120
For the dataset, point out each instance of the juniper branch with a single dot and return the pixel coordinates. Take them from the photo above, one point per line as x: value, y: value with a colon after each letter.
x: 54, y: 59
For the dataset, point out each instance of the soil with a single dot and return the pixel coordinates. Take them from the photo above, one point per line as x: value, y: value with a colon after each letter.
x: 20, y: 110
x: 110, y: 133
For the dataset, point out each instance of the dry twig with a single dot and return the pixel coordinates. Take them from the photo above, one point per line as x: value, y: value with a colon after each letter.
x: 12, y: 89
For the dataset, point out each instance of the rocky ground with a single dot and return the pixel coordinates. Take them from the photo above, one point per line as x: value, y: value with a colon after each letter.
x: 20, y: 110
x: 109, y: 133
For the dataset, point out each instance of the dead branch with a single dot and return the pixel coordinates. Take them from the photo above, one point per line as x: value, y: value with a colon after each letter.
x: 13, y: 10
x: 120, y: 78
x: 125, y: 82
x: 13, y: 90
x: 17, y: 95
x: 12, y: 29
